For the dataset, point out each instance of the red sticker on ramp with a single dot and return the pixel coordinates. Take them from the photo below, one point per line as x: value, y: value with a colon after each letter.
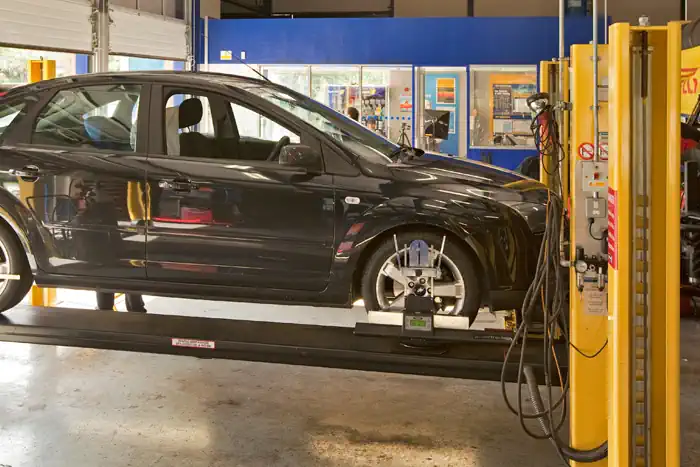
x: 586, y: 152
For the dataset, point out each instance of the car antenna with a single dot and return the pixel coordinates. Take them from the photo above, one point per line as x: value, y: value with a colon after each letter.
x: 251, y: 67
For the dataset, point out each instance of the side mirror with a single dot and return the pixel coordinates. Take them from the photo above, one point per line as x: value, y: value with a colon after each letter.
x: 303, y: 157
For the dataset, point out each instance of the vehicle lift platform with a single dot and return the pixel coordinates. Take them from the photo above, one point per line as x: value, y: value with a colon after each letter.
x: 442, y: 352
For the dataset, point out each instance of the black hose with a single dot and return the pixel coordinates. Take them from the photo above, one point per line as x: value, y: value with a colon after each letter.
x: 576, y: 455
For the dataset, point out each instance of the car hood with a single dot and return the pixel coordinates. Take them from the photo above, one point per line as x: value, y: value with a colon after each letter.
x: 474, y: 179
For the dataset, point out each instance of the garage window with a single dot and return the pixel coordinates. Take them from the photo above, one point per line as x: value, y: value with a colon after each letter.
x: 98, y: 117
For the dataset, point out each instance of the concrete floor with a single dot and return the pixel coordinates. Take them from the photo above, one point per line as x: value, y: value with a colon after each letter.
x: 84, y: 407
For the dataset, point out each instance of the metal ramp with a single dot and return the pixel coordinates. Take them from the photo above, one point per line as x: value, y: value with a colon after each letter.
x: 369, y: 347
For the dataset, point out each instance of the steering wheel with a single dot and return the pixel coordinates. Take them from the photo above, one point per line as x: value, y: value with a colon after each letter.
x: 275, y: 154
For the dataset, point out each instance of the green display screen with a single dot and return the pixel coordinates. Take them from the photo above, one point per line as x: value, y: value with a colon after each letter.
x: 418, y: 323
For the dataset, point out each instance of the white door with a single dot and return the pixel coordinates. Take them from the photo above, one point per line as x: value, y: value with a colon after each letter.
x: 46, y: 24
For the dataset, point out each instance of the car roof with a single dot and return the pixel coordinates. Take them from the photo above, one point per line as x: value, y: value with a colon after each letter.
x: 159, y: 76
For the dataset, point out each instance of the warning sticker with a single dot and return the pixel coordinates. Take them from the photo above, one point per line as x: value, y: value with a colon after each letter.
x: 603, y: 151
x: 595, y: 301
x: 612, y: 228
x: 193, y: 343
x: 586, y: 152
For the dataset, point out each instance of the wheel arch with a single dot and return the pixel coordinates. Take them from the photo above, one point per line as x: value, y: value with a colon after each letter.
x: 10, y: 217
x: 468, y: 245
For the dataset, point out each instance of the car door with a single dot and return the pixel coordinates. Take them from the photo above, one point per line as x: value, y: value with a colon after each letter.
x: 221, y: 212
x: 77, y: 164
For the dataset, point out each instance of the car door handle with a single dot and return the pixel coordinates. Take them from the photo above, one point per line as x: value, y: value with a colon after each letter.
x: 28, y: 173
x: 178, y: 185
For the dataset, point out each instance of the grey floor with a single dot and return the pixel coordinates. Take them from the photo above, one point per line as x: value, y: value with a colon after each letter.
x: 93, y: 408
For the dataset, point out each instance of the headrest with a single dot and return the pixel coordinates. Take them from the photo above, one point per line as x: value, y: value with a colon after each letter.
x: 190, y: 112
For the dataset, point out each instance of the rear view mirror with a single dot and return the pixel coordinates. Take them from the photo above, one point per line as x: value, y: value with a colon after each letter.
x: 303, y: 157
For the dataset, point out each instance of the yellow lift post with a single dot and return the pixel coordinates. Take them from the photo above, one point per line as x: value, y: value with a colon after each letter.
x: 39, y: 70
x: 644, y: 272
x: 588, y: 221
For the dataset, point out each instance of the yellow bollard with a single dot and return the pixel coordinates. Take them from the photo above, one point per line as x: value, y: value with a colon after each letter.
x: 40, y: 70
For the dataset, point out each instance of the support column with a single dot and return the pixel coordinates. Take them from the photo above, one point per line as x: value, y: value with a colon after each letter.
x: 100, y: 36
x: 588, y: 313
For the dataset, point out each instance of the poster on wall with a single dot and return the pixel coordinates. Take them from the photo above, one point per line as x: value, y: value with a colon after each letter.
x: 406, y: 103
x: 445, y: 90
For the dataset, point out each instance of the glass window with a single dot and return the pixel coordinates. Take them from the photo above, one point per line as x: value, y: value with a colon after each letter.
x: 14, y: 69
x: 499, y: 115
x: 293, y: 77
x: 347, y: 132
x: 213, y: 127
x: 99, y: 117
x: 387, y: 102
x: 8, y: 113
x: 336, y: 87
x: 252, y: 125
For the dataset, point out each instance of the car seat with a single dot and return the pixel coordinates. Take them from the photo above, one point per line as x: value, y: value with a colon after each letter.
x: 193, y: 143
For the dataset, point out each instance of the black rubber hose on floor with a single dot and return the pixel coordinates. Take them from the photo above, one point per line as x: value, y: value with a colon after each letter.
x: 591, y: 455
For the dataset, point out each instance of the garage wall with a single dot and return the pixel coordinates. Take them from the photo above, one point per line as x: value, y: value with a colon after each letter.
x: 659, y: 12
x: 46, y: 24
x: 432, y: 8
x: 517, y: 8
x: 337, y: 6
x: 140, y: 34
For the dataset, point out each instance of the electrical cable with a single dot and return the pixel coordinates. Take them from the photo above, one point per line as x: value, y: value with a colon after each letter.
x: 590, y: 230
x: 547, y: 295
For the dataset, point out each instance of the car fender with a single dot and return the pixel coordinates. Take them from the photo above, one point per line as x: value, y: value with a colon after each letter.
x: 359, y: 238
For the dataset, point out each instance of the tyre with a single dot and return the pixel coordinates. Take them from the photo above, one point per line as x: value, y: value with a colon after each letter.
x: 13, y: 261
x: 105, y: 301
x: 457, y: 289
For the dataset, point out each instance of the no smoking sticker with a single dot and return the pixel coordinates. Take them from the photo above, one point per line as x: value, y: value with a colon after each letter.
x: 586, y: 152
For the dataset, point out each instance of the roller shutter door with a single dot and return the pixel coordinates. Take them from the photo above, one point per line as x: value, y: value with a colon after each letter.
x: 146, y: 35
x: 62, y: 25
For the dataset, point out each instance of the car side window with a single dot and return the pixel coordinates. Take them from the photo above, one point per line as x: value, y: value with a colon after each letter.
x: 212, y: 126
x: 255, y: 126
x: 98, y: 117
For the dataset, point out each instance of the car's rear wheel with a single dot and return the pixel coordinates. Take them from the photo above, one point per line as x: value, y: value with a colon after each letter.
x: 457, y: 290
x: 16, y: 279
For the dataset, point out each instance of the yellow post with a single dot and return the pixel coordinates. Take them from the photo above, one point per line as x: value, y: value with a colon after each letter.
x: 644, y: 274
x: 39, y: 70
x: 588, y: 319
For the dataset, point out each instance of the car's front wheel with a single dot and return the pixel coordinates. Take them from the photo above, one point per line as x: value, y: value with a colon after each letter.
x: 456, y: 289
x: 16, y: 279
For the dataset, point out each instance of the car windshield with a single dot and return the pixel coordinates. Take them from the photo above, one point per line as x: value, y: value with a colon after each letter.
x: 347, y: 132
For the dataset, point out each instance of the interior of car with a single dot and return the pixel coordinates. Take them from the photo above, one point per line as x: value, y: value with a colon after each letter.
x: 210, y: 126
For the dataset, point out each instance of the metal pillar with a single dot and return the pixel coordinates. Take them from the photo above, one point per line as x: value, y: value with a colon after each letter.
x: 100, y: 36
x: 39, y: 70
x: 644, y: 273
x: 588, y: 310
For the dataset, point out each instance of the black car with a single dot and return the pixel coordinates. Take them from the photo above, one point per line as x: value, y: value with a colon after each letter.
x: 215, y: 186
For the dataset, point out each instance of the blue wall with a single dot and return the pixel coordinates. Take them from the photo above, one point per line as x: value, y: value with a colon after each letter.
x: 398, y: 41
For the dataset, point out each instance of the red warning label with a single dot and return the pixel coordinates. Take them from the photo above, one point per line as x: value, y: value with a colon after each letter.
x: 612, y: 228
x: 586, y: 152
x: 603, y: 151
